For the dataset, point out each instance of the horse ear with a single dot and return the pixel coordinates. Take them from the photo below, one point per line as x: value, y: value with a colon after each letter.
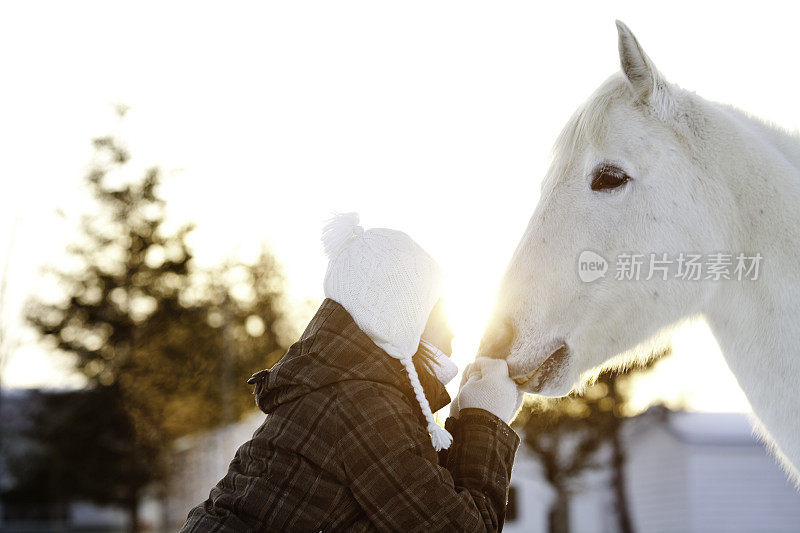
x: 640, y: 71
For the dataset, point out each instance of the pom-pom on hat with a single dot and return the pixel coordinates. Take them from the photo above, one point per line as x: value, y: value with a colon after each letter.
x: 389, y: 285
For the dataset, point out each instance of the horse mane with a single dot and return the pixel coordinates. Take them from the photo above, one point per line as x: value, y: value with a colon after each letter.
x: 590, y: 121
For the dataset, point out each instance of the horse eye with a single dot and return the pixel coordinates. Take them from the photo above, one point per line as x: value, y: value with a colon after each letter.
x: 608, y: 177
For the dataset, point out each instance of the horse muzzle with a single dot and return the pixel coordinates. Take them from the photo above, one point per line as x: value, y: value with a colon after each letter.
x: 497, y: 341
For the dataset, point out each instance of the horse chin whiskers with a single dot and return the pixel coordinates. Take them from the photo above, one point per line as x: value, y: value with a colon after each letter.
x: 551, y: 368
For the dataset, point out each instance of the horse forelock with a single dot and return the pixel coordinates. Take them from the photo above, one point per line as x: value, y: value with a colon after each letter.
x: 590, y: 122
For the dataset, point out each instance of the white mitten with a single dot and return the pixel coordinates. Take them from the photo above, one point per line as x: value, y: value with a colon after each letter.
x: 489, y: 387
x: 454, y: 402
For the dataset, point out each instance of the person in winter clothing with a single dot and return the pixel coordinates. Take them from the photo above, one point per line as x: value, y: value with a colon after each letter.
x: 349, y: 443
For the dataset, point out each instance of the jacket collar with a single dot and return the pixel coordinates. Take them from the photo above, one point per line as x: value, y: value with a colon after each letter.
x: 332, y: 349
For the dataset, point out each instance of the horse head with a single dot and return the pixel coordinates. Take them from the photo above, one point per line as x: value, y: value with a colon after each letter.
x: 628, y: 176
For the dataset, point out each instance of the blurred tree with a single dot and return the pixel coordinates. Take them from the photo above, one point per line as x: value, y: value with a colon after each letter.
x: 174, y: 343
x: 8, y: 340
x: 566, y: 434
x: 75, y: 439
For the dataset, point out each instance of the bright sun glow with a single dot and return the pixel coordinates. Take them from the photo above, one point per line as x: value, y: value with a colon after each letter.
x: 433, y: 118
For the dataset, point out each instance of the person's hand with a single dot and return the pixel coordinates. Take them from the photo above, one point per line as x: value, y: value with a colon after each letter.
x: 486, y: 385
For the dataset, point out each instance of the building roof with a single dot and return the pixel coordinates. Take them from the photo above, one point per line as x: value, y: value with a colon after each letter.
x: 713, y: 428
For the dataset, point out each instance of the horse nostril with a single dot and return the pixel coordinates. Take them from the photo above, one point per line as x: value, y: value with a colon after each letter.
x: 496, y: 343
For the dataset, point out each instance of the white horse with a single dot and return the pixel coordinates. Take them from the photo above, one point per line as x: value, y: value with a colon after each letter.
x: 647, y: 167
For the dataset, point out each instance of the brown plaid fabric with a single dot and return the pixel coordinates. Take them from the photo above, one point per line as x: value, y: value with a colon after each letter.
x: 345, y: 448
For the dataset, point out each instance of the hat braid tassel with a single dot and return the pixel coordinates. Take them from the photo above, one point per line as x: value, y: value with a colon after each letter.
x: 440, y: 437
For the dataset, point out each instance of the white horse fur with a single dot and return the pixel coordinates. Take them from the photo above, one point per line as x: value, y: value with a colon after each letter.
x: 704, y: 177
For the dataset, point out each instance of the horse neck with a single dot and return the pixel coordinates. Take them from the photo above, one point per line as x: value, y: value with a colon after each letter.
x: 756, y: 167
x: 786, y: 143
x: 757, y: 323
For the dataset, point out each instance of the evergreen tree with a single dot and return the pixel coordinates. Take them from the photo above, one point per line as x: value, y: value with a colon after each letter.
x: 175, y: 344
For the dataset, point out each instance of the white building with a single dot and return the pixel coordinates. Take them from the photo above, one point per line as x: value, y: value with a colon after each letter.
x: 707, y: 472
x: 200, y: 461
x: 693, y: 472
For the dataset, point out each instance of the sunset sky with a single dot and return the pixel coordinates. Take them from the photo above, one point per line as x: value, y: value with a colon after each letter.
x: 436, y: 118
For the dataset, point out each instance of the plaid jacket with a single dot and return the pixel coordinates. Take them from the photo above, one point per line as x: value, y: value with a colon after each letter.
x: 345, y: 448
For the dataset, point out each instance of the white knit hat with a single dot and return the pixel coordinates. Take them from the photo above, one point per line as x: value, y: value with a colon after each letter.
x: 389, y: 285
